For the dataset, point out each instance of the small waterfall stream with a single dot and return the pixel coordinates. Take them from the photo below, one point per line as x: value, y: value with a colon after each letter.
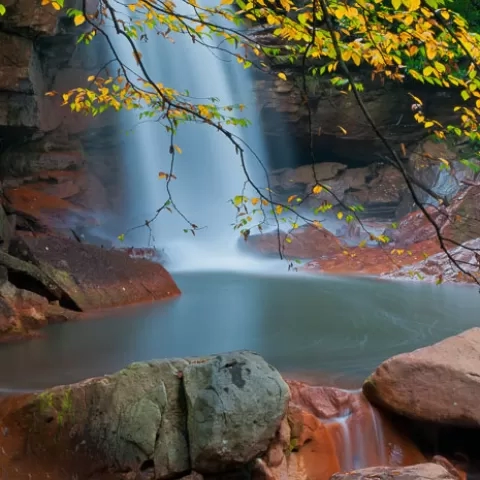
x: 208, y: 171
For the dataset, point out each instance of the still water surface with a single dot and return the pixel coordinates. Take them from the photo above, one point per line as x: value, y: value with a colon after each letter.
x: 339, y: 327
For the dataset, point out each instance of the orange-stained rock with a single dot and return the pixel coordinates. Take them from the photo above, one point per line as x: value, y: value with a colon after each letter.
x: 96, y: 277
x: 93, y: 278
x: 375, y: 260
x: 440, y: 268
x: 415, y: 227
x: 426, y: 471
x: 306, y: 242
x: 333, y: 430
x: 44, y: 211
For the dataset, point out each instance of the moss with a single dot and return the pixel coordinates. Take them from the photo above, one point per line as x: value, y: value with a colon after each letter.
x: 62, y: 404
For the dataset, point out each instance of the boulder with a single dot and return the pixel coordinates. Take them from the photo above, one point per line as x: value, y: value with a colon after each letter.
x: 424, y: 471
x: 235, y: 404
x: 426, y: 166
x: 133, y: 420
x: 465, y: 217
x: 94, y: 277
x: 155, y: 420
x: 288, y: 179
x: 415, y: 227
x: 305, y: 242
x: 381, y: 194
x: 439, y: 383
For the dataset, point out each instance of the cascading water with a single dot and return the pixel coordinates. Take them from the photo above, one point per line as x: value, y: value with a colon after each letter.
x: 208, y: 172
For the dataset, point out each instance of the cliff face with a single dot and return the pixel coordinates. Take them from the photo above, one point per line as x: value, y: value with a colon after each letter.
x: 39, y: 53
x: 340, y: 131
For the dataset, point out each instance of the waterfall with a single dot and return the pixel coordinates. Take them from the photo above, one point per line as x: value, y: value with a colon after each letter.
x: 208, y: 171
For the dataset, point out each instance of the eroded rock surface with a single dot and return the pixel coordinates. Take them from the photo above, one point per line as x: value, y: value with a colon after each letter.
x: 156, y: 420
x: 439, y: 383
x: 424, y: 471
x: 235, y: 405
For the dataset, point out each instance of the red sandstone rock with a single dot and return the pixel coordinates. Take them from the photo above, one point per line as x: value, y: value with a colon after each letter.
x: 415, y: 227
x: 43, y: 212
x: 375, y: 260
x: 440, y: 268
x: 99, y: 278
x: 425, y: 471
x: 306, y: 242
x: 439, y: 383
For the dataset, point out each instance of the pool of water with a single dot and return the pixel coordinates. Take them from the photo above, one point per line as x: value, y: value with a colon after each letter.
x: 337, y: 328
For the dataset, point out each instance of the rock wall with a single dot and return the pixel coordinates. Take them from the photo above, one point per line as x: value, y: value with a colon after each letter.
x: 39, y: 53
x: 285, y: 118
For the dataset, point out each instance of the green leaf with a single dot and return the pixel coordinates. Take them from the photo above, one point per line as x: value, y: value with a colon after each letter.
x: 238, y: 200
x: 2, y: 9
x: 121, y: 237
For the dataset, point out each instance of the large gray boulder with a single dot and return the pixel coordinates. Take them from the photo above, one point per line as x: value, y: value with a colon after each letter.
x: 235, y: 405
x: 160, y: 419
x: 439, y: 383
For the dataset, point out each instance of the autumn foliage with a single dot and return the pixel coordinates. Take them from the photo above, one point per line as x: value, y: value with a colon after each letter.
x: 394, y: 40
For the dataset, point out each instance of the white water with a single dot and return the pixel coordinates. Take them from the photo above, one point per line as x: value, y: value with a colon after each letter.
x: 209, y: 172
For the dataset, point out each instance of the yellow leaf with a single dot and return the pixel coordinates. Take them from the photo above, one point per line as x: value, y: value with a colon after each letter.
x: 417, y: 100
x: 427, y: 71
x: 340, y: 215
x: 428, y: 124
x: 290, y: 198
x: 78, y: 20
x: 199, y: 28
x: 264, y: 202
x: 317, y: 224
x: 342, y: 129
x: 91, y: 78
x: 279, y: 209
x: 178, y: 149
x: 346, y: 55
x: 317, y: 189
x: 396, y: 4
x: 162, y: 175
x: 282, y: 76
x: 413, y: 4
x: 288, y: 239
x: 226, y: 2
x: 254, y: 201
x: 45, y: 2
x: 56, y: 6
x: 131, y: 7
x: 357, y: 59
x: 445, y: 14
x: 362, y: 243
x: 294, y: 225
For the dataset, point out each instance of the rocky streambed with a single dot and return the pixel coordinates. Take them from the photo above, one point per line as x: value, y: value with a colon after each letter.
x: 232, y: 416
